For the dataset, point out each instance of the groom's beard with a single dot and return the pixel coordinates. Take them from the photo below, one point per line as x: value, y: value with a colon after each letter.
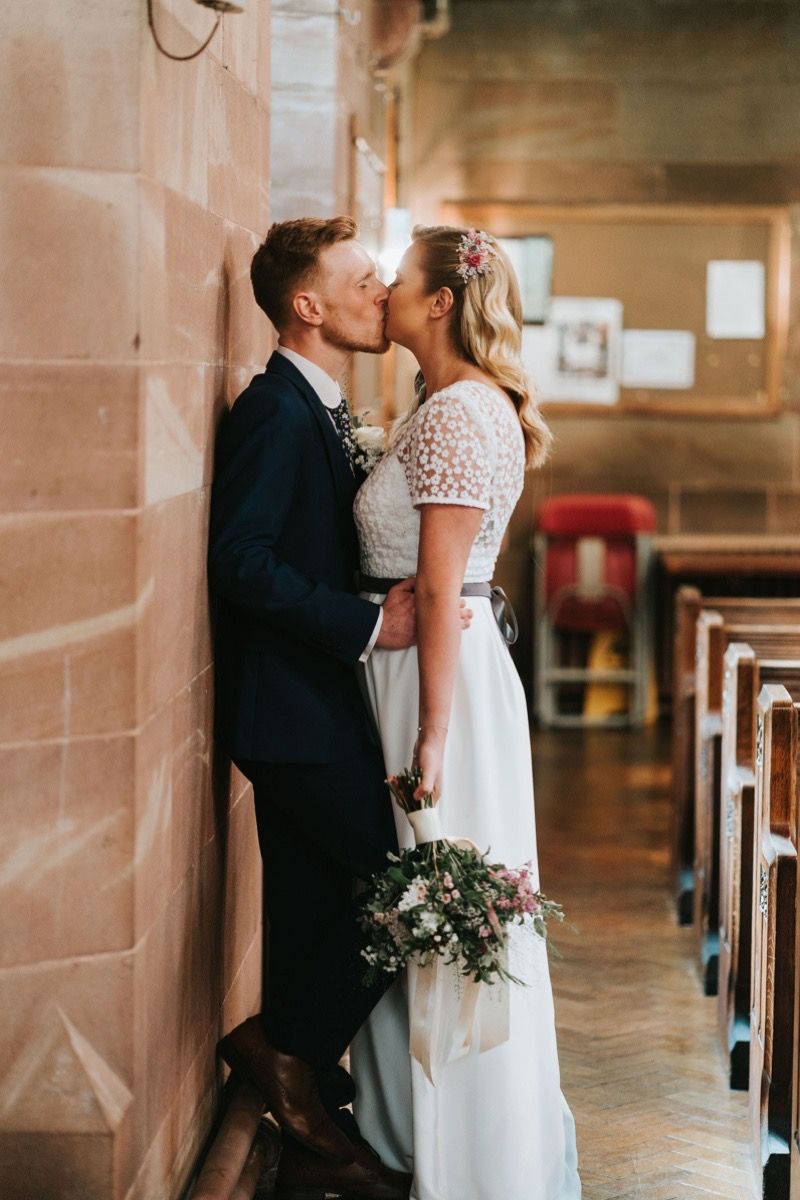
x: 339, y: 335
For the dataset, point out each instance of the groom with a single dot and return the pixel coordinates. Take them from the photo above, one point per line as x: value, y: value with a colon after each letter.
x: 290, y: 631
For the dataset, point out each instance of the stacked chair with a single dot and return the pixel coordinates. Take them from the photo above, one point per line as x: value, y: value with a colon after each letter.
x: 593, y: 560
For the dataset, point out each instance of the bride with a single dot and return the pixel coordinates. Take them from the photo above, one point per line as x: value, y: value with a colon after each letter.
x: 495, y: 1126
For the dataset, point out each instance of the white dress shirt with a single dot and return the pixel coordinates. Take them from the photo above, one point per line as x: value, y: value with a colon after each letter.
x: 330, y: 394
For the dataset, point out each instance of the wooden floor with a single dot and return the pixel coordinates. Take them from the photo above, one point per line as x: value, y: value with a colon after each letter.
x: 641, y: 1067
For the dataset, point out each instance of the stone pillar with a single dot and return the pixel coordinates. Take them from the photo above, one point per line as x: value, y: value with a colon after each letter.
x: 323, y: 94
x: 306, y: 172
x: 134, y: 190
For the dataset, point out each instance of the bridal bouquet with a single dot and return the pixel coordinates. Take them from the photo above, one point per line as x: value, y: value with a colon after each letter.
x: 443, y: 901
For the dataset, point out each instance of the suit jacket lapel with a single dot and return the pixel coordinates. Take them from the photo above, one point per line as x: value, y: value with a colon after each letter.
x: 343, y: 478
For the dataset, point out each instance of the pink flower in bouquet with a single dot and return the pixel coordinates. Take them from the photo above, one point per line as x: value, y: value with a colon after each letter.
x: 491, y: 917
x: 415, y: 894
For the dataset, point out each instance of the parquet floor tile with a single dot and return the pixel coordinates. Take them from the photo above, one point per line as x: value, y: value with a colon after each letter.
x: 640, y: 1064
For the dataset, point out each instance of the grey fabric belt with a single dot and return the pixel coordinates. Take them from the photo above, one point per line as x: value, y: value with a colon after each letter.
x: 503, y: 612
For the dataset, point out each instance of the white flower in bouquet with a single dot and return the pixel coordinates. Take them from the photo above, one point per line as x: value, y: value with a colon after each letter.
x: 428, y: 921
x: 370, y: 441
x: 415, y: 894
x: 371, y: 438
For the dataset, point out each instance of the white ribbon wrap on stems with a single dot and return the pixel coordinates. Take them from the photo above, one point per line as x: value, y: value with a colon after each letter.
x: 427, y: 825
x: 451, y: 1016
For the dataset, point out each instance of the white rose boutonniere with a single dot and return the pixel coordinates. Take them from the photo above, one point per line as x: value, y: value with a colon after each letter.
x: 370, y: 443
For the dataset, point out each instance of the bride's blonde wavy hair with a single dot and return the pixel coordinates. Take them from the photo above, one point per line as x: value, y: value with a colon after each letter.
x: 486, y: 325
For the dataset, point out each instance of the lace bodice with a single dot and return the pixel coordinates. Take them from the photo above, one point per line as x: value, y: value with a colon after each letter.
x: 464, y: 445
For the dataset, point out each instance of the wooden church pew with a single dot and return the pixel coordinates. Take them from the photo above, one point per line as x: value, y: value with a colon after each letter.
x: 773, y: 1053
x: 688, y: 606
x: 745, y: 673
x: 714, y: 634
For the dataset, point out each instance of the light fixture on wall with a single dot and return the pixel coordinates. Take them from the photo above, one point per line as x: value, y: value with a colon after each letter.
x: 396, y: 237
x: 219, y: 6
x: 222, y: 6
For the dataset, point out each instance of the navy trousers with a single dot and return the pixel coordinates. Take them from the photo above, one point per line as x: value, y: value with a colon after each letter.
x: 320, y: 827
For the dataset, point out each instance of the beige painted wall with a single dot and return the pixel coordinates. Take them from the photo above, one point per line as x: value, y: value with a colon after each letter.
x: 134, y: 191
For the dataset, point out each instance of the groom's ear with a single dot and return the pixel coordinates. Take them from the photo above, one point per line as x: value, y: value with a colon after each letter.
x: 442, y: 303
x: 307, y: 307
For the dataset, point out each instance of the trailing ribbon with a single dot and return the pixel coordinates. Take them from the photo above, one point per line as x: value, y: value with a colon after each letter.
x: 451, y: 1016
x: 504, y: 615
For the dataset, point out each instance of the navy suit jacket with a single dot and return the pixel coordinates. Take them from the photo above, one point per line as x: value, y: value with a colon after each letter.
x: 283, y: 555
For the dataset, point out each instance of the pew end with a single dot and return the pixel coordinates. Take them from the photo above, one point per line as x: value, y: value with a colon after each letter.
x: 772, y: 1019
x: 737, y: 792
x: 716, y: 630
x: 688, y: 606
x: 745, y: 673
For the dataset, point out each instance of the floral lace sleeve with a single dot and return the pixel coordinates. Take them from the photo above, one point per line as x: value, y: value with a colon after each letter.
x: 449, y: 458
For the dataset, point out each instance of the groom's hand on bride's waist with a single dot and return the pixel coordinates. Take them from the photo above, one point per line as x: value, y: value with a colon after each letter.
x: 399, y: 628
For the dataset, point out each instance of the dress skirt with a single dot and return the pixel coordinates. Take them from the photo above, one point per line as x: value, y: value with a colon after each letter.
x: 495, y: 1126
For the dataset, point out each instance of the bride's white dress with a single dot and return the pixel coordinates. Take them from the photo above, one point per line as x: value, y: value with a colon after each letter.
x: 496, y: 1126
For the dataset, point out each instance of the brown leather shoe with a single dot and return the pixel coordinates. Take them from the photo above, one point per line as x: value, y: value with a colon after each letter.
x: 304, y: 1176
x: 289, y: 1088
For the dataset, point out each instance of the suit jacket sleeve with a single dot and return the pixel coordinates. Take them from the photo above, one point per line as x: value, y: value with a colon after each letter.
x: 251, y: 498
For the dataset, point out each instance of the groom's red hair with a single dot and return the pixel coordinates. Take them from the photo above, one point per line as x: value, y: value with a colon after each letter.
x: 288, y: 257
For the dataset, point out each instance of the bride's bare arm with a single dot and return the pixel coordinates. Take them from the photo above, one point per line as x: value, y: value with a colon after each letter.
x: 447, y: 532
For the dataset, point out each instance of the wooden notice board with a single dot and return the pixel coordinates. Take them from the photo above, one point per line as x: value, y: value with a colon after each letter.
x: 653, y: 259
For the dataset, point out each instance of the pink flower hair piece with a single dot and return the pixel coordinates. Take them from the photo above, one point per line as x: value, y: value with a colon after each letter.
x: 475, y: 254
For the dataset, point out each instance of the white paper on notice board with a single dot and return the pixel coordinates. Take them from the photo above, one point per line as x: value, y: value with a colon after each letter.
x: 735, y: 299
x: 538, y: 358
x: 658, y: 358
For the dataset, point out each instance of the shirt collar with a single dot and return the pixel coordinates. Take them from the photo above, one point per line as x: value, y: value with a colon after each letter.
x: 326, y: 388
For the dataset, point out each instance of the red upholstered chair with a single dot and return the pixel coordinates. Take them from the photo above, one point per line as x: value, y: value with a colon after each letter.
x: 592, y: 569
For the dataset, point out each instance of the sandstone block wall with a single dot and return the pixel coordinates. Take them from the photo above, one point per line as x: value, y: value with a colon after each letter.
x: 134, y: 190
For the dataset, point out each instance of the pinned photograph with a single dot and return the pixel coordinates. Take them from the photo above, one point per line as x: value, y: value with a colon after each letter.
x: 576, y: 356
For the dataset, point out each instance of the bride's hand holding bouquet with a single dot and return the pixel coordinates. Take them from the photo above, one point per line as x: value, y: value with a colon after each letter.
x: 429, y: 758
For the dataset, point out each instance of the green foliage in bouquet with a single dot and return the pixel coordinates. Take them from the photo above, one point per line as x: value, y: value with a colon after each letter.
x: 441, y: 899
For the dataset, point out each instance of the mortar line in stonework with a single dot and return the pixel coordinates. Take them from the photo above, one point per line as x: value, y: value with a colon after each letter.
x: 49, y: 964
x: 68, y: 635
x: 105, y: 735
x: 87, y: 363
x: 41, y: 514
